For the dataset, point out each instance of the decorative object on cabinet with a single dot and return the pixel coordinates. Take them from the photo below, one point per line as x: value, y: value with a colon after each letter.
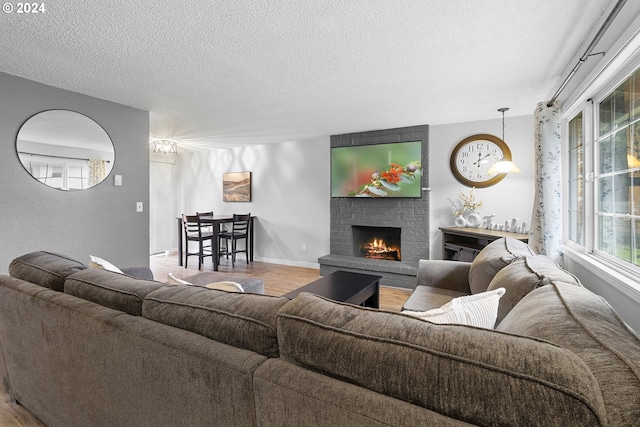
x: 464, y: 244
x: 236, y: 186
x: 460, y: 221
x: 474, y: 220
x: 465, y: 211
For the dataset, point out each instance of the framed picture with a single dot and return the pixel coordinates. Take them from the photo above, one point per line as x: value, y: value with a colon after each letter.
x: 236, y: 186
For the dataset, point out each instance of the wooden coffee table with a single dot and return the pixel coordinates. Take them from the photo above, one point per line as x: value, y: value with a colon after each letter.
x: 345, y: 286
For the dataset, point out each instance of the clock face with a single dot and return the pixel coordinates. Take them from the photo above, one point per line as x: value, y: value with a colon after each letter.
x: 473, y: 157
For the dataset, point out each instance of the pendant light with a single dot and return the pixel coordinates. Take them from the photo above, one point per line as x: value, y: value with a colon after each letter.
x: 503, y: 166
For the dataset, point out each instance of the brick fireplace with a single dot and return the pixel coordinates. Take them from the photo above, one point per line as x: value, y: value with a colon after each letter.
x: 408, y: 217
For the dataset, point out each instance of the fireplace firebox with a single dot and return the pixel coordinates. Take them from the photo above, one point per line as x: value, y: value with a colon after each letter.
x: 377, y: 242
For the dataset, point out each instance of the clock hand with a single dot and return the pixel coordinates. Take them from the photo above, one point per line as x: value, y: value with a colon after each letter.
x: 481, y: 158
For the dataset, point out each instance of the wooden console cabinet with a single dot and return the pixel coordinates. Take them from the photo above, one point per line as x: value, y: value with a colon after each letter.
x: 464, y: 244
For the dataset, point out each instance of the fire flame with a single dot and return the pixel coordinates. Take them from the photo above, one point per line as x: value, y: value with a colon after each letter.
x: 378, y: 247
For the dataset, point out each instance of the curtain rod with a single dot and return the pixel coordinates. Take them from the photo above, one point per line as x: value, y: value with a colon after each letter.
x: 56, y: 157
x: 587, y: 52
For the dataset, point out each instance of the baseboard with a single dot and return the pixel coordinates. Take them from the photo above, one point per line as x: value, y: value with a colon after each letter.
x: 302, y: 264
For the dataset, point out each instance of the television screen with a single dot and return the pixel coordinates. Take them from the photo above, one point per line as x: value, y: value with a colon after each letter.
x: 380, y: 170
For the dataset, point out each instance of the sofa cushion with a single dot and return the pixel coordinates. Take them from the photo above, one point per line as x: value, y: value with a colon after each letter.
x: 478, y: 310
x: 524, y: 275
x: 493, y: 258
x: 492, y: 375
x: 109, y: 289
x: 46, y: 269
x: 239, y: 319
x: 584, y: 323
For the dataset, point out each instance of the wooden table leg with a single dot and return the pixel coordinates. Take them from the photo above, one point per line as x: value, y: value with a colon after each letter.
x: 180, y: 241
x: 251, y: 240
x: 215, y: 243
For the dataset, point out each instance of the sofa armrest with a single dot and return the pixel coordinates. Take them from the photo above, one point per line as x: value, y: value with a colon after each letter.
x: 138, y: 272
x: 444, y: 274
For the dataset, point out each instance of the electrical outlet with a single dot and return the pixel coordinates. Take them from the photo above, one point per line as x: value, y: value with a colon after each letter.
x: 139, y: 207
x: 117, y: 180
x: 304, y: 247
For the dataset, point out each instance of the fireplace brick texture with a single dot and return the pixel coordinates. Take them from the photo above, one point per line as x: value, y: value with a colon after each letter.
x: 411, y: 215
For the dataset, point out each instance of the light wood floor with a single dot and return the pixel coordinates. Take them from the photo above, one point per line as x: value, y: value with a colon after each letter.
x: 278, y: 280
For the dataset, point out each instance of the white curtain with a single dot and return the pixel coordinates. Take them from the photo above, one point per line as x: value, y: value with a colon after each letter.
x: 97, y: 171
x: 546, y: 221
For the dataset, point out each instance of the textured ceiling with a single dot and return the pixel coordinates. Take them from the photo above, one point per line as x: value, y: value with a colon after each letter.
x: 237, y: 72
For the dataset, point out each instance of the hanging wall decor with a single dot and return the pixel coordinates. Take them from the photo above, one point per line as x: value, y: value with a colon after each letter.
x: 236, y: 186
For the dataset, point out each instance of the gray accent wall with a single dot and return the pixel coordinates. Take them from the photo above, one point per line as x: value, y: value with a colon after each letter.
x: 410, y: 215
x: 100, y: 221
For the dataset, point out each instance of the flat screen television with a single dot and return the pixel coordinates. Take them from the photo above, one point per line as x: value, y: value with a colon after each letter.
x: 378, y: 170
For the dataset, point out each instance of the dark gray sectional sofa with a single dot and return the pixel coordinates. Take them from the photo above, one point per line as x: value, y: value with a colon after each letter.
x: 84, y: 347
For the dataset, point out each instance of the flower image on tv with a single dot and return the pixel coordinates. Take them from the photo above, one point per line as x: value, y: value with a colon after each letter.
x: 379, y: 170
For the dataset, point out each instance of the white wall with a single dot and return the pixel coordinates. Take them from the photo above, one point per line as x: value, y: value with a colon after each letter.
x: 290, y: 195
x: 511, y: 197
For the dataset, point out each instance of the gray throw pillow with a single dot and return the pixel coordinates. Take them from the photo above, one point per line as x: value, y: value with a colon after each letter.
x: 493, y: 258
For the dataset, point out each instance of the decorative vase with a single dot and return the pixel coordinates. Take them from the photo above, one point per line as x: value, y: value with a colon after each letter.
x: 473, y: 220
x: 460, y: 221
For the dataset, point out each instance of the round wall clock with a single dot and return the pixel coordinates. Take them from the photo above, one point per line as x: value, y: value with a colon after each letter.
x: 472, y: 158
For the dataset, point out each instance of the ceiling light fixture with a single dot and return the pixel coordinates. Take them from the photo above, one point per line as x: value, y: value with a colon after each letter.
x: 503, y: 166
x: 164, y: 146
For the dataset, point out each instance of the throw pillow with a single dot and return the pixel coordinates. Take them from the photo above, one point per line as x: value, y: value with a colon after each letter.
x: 173, y: 280
x: 97, y: 262
x: 479, y: 310
x: 223, y: 286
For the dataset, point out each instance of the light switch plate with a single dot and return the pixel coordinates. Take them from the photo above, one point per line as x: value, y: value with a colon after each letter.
x: 117, y: 180
x: 139, y: 207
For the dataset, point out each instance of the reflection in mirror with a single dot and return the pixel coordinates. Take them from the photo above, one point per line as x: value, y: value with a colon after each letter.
x: 65, y: 150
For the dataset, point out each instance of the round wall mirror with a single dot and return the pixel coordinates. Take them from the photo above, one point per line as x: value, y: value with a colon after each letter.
x: 65, y: 150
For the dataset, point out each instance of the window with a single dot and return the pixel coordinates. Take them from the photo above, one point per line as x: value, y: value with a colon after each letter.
x: 607, y: 223
x: 616, y: 176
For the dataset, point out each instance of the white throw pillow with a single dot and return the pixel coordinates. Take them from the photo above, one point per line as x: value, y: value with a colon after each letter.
x: 475, y: 310
x: 224, y: 286
x: 173, y: 280
x: 97, y: 262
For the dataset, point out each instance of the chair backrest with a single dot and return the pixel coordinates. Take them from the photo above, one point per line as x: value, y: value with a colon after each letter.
x: 240, y: 223
x: 191, y: 224
x: 206, y: 226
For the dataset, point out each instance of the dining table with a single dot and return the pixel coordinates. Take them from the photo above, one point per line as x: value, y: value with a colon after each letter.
x: 215, y: 221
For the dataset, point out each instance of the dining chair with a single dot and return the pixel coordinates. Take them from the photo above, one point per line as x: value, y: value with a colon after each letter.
x: 195, y: 231
x: 209, y: 227
x: 239, y: 231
